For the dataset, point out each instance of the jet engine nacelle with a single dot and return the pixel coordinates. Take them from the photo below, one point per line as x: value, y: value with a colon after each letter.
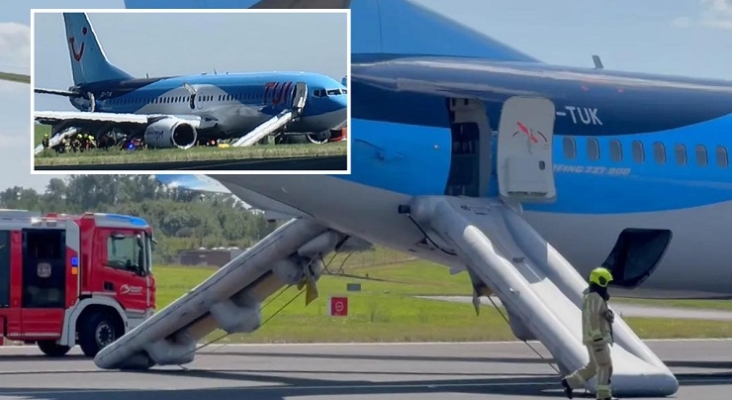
x: 170, y: 132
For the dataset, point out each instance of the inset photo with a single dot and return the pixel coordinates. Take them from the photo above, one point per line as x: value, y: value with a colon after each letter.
x: 148, y: 91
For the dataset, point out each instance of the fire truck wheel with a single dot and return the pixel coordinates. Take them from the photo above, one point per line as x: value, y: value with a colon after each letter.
x: 97, y: 331
x: 52, y: 349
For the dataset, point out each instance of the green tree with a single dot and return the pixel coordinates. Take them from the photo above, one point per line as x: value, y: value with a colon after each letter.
x: 181, y: 218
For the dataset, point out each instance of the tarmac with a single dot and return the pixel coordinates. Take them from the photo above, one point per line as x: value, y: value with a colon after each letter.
x: 320, y: 163
x: 401, y: 371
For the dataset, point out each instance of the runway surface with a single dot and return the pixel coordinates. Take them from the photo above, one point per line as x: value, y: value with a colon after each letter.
x: 624, y: 309
x: 321, y: 163
x: 345, y: 371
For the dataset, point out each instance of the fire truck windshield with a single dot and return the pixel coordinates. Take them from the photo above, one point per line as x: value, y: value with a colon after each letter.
x: 129, y: 252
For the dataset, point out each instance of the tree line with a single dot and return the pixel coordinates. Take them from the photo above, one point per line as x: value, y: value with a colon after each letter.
x: 181, y: 218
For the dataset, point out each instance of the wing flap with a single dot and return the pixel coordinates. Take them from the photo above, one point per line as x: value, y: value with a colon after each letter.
x: 99, y: 117
x: 274, y: 210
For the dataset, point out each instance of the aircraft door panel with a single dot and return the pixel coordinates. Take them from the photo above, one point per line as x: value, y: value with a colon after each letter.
x: 299, y: 96
x: 525, y: 137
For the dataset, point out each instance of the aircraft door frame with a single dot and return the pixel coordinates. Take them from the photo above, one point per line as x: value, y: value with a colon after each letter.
x: 470, y: 157
x: 525, y: 150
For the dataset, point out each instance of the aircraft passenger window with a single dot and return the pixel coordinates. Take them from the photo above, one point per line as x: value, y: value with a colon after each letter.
x: 659, y: 152
x: 570, y: 148
x: 701, y: 155
x: 616, y: 150
x: 593, y: 149
x: 722, y: 157
x: 680, y: 154
x: 638, y: 154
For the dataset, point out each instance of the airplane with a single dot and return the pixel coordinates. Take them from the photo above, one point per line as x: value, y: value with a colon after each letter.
x: 13, y: 77
x: 179, y: 111
x: 487, y: 160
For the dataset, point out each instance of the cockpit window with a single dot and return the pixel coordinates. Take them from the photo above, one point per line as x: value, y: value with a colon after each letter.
x: 319, y: 93
x: 336, y: 92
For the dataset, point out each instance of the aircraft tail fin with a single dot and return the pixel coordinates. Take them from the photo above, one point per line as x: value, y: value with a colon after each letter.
x: 88, y: 61
x: 382, y: 27
x: 404, y: 28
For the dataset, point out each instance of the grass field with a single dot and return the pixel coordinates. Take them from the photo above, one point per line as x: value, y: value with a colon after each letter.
x: 386, y: 310
x: 50, y: 157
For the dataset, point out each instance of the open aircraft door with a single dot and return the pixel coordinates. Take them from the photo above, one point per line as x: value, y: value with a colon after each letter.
x: 299, y: 96
x: 525, y: 167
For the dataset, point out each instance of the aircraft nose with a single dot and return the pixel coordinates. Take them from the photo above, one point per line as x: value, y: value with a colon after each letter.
x: 341, y: 101
x: 342, y: 109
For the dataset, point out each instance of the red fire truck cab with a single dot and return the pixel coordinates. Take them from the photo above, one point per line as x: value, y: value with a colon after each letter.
x: 73, y: 279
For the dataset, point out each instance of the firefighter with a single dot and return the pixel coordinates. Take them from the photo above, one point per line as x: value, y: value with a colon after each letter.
x: 45, y: 141
x: 77, y: 143
x: 90, y: 142
x: 597, y: 336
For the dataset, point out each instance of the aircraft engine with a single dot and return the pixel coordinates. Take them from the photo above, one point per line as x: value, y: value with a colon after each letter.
x: 170, y: 132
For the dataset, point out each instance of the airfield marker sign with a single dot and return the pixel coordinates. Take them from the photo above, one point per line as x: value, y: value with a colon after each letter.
x: 338, y: 306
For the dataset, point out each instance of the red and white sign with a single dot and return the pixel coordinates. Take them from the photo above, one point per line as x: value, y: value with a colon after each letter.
x: 338, y: 307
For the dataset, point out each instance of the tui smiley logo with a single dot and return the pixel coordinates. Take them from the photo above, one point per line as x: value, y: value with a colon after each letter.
x: 72, y: 40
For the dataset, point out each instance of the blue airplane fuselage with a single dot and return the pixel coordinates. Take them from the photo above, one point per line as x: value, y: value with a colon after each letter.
x: 236, y: 102
x: 630, y: 151
x: 591, y: 104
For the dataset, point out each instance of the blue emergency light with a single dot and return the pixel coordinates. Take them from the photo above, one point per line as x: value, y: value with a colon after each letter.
x: 74, y: 261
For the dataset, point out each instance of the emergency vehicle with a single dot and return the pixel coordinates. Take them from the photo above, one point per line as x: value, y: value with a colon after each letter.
x: 73, y: 279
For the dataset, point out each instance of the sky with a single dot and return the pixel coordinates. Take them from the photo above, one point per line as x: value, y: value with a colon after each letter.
x: 675, y: 37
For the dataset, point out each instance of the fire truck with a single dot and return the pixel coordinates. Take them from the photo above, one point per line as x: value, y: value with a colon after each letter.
x: 73, y: 279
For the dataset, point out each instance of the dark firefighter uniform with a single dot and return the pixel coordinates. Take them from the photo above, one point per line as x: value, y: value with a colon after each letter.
x: 597, y: 336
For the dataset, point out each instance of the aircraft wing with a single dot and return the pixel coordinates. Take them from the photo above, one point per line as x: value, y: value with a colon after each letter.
x: 57, y: 92
x: 286, y: 4
x: 199, y: 183
x: 7, y: 76
x: 90, y: 118
x: 273, y: 210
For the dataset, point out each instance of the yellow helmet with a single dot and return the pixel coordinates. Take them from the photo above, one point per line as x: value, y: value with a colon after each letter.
x: 601, y: 276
